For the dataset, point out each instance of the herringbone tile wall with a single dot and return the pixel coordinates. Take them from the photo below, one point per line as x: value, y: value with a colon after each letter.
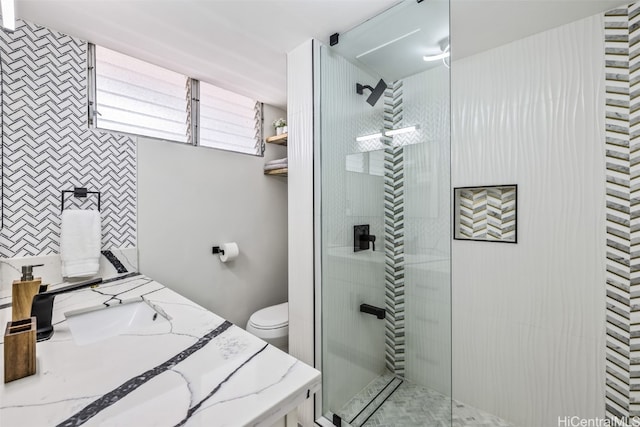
x: 47, y: 146
x: 394, y: 234
x: 622, y: 148
x: 487, y: 213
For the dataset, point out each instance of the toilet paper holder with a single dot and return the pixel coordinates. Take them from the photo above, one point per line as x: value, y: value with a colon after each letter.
x: 227, y: 251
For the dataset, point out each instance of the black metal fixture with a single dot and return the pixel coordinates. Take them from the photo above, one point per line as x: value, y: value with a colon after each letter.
x: 337, y: 421
x: 217, y: 250
x: 27, y: 273
x: 362, y: 239
x: 42, y: 306
x: 376, y: 92
x: 372, y: 309
x: 334, y: 39
x: 80, y: 192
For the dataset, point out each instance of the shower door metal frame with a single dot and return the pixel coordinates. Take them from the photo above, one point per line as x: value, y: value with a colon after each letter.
x: 317, y: 230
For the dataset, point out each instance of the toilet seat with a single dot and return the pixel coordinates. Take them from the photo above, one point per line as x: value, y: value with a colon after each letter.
x: 271, y: 318
x: 271, y: 324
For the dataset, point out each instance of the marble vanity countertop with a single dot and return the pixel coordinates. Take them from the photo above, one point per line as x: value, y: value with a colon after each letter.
x: 196, y: 369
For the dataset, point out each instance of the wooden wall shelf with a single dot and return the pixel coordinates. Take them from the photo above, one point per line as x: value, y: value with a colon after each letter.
x: 277, y: 172
x: 278, y: 139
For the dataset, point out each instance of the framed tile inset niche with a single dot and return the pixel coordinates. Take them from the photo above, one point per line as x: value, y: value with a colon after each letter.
x: 487, y: 214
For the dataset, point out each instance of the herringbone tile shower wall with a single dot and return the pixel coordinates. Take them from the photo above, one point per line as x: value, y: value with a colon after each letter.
x: 394, y: 234
x: 622, y: 148
x: 488, y: 213
x: 47, y: 146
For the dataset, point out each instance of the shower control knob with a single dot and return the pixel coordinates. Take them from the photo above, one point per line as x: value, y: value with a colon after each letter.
x: 368, y: 238
x: 362, y: 238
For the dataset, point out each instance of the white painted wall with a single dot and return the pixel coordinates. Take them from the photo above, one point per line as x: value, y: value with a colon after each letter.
x: 193, y: 198
x: 528, y: 319
x: 300, y: 109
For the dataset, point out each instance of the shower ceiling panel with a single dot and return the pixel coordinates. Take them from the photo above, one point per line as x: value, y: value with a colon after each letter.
x: 406, y: 35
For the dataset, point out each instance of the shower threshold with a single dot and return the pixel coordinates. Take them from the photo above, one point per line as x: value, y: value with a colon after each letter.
x: 391, y: 401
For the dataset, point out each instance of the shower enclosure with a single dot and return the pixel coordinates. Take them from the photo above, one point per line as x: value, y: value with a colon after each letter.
x: 385, y: 222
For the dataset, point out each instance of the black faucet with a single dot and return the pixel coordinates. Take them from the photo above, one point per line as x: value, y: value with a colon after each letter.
x: 362, y: 238
x: 42, y: 306
x: 372, y: 309
x: 365, y: 239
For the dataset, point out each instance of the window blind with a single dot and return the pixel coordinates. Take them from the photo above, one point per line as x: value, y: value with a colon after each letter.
x: 136, y: 97
x: 229, y: 121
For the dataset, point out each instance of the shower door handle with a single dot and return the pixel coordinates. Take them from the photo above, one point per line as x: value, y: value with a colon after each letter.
x: 372, y: 309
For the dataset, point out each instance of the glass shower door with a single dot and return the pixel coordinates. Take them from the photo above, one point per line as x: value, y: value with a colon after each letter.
x: 352, y: 206
x: 385, y: 221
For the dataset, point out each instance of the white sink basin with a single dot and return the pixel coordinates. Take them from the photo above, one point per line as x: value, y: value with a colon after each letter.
x: 95, y: 324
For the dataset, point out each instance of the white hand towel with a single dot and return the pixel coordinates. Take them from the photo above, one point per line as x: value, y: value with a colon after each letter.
x: 278, y: 161
x: 80, y: 237
x: 273, y: 167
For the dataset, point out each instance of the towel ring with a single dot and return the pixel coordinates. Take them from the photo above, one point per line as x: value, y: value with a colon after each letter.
x: 80, y: 192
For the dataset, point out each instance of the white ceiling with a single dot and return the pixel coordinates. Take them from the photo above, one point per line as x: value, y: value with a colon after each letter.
x: 479, y: 25
x: 241, y: 45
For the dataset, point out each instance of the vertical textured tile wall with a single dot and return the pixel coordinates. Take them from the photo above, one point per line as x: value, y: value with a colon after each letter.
x: 47, y: 146
x: 394, y: 233
x: 427, y: 229
x: 528, y: 319
x: 623, y: 210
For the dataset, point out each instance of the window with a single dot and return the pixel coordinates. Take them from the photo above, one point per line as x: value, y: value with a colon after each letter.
x: 132, y: 96
x: 136, y: 97
x: 229, y: 121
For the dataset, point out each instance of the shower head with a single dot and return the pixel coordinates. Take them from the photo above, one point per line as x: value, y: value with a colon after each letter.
x: 376, y: 92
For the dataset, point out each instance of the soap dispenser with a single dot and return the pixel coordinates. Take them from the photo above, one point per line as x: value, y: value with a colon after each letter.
x: 23, y: 292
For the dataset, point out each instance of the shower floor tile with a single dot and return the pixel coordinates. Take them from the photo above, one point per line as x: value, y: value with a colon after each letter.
x: 359, y: 402
x: 411, y: 405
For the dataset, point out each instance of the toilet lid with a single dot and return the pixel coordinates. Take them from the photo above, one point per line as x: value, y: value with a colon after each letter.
x: 274, y: 317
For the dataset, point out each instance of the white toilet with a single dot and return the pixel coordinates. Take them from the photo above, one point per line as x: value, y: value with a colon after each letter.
x: 272, y: 325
